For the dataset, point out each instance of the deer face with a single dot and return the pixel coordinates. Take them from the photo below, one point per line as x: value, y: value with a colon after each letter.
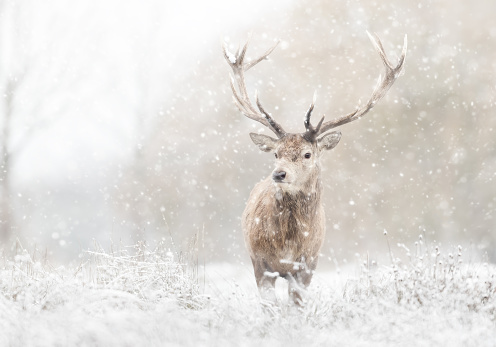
x: 297, y: 159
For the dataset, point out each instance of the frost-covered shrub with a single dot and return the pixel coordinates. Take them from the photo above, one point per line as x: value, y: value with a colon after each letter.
x: 150, y: 274
x: 30, y: 283
x: 430, y: 278
x: 140, y: 276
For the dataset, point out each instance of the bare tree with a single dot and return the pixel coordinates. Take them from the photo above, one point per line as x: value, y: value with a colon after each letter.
x: 11, y: 79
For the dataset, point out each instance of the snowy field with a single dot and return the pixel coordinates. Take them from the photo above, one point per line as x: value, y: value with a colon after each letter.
x: 149, y: 297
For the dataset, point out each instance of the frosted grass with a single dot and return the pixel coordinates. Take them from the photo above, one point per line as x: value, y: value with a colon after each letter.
x: 152, y: 297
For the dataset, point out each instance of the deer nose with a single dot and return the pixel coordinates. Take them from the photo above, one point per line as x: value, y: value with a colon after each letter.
x: 279, y: 176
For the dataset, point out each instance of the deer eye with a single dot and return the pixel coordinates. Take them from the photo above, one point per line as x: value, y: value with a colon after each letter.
x: 275, y: 154
x: 308, y: 155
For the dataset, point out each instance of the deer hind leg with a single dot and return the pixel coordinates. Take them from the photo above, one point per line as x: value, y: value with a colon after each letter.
x: 266, y: 280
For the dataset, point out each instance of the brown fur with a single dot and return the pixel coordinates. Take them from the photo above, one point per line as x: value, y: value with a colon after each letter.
x: 283, y: 226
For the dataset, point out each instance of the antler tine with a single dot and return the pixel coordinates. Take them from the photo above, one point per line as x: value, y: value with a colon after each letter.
x: 311, y: 132
x: 264, y: 56
x: 307, y: 123
x: 383, y: 85
x: 240, y: 94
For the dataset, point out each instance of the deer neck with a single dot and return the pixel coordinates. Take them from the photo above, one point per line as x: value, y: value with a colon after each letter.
x: 302, y: 202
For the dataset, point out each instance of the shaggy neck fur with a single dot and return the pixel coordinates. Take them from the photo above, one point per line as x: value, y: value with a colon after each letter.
x: 294, y: 212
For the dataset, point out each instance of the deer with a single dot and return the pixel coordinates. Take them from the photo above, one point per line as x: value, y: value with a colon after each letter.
x: 284, y: 219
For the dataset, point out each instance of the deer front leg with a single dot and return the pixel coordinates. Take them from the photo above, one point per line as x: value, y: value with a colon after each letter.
x: 298, y: 283
x: 266, y: 280
x: 296, y: 290
x: 297, y: 286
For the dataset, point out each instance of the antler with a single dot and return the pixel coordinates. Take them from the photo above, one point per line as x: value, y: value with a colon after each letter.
x: 311, y: 133
x: 236, y: 62
x: 380, y: 90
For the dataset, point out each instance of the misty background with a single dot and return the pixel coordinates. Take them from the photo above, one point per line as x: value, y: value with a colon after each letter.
x: 117, y: 122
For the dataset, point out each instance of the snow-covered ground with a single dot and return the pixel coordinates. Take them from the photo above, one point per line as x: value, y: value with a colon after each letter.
x: 146, y: 297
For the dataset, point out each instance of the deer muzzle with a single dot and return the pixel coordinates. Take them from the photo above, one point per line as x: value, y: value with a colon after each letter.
x: 278, y: 176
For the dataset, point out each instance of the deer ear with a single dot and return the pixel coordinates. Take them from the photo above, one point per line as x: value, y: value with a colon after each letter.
x: 329, y: 141
x: 264, y: 142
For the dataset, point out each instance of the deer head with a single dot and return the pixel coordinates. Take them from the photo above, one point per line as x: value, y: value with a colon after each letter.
x: 298, y: 155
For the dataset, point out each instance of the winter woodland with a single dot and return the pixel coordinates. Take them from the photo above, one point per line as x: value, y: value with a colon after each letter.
x: 125, y: 167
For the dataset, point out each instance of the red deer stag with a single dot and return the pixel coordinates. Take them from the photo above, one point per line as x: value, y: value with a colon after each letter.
x: 284, y: 221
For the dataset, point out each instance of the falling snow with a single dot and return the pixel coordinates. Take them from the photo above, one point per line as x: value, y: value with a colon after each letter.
x: 117, y: 127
